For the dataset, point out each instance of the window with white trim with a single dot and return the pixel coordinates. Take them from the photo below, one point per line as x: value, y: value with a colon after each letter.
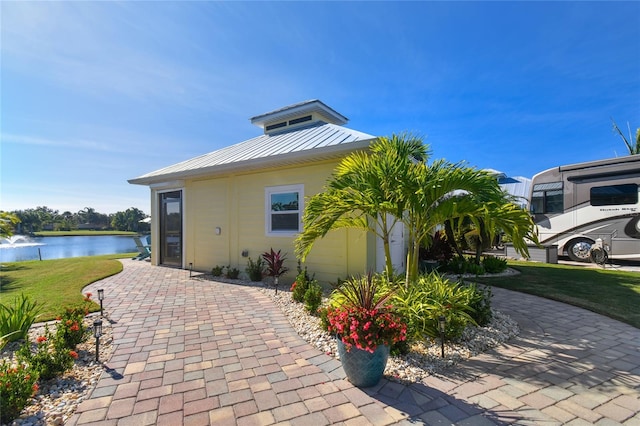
x: 283, y: 210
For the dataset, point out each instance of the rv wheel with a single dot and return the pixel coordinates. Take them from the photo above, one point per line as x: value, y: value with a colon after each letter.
x: 578, y: 250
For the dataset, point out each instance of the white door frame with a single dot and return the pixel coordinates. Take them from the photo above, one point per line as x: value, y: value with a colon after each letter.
x: 396, y: 247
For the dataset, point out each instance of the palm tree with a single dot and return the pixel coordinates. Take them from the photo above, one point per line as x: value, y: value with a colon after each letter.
x: 633, y: 150
x: 479, y: 229
x: 363, y: 193
x: 8, y: 221
x: 393, y: 185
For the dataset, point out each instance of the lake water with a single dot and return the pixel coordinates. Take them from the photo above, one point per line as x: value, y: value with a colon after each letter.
x: 62, y: 247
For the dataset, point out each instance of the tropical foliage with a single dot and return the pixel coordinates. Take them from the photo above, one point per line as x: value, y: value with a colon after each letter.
x: 634, y: 149
x: 8, y: 222
x: 393, y: 185
x: 16, y: 319
x: 275, y: 263
x: 424, y: 300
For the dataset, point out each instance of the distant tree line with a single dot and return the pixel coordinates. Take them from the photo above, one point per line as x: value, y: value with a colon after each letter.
x: 45, y: 219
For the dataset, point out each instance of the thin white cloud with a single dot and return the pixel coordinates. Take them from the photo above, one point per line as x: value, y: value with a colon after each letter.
x: 74, y: 45
x: 39, y: 141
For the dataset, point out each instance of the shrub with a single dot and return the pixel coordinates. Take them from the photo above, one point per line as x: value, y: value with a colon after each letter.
x: 463, y: 265
x: 298, y: 290
x: 313, y: 297
x: 494, y: 265
x: 17, y: 386
x: 255, y: 269
x: 323, y: 313
x: 70, y: 328
x: 16, y: 319
x: 475, y: 269
x: 480, y: 304
x: 400, y: 348
x: 301, y: 284
x: 232, y: 273
x: 439, y: 249
x: 51, y: 356
x: 216, y: 271
x: 456, y: 266
x: 422, y: 302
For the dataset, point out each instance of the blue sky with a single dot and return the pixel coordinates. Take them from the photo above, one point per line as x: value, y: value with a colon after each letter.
x: 95, y: 93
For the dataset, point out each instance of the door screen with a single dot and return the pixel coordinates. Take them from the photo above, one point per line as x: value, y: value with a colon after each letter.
x: 171, y: 228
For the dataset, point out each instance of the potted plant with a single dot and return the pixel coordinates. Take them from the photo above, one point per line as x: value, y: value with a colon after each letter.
x: 366, y: 326
x: 275, y: 265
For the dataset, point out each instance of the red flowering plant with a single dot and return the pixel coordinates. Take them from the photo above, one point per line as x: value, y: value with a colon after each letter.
x: 71, y: 328
x: 17, y: 386
x: 48, y: 357
x: 361, y: 315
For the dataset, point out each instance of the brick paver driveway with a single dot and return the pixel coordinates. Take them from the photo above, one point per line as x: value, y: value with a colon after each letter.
x: 193, y: 351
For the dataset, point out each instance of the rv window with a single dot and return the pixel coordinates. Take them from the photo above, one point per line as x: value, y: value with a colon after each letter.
x: 614, y: 195
x: 547, y: 198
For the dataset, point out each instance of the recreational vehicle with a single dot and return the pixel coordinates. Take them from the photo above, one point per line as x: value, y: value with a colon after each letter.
x: 576, y: 205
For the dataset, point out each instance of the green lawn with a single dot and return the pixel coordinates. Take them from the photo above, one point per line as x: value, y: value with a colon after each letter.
x: 615, y: 294
x: 58, y: 283
x: 55, y: 284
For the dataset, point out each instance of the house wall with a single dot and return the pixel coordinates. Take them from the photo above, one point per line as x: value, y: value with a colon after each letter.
x: 236, y: 205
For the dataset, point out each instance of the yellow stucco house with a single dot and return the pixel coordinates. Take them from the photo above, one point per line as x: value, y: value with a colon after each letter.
x: 237, y: 202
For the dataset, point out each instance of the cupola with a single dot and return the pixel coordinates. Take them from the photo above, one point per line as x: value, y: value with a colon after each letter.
x: 298, y: 115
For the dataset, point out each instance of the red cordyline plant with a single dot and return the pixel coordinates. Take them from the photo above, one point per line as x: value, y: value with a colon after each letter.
x: 363, y: 317
x: 275, y: 265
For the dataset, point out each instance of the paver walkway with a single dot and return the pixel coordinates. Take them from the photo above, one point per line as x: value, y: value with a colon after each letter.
x: 197, y: 352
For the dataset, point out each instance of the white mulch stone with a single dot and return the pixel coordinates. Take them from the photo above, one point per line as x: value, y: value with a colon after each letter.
x: 58, y: 398
x: 423, y: 359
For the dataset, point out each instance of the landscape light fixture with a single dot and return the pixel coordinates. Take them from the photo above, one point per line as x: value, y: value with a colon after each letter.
x: 442, y: 325
x: 97, y: 332
x: 101, y: 298
x: 190, y: 269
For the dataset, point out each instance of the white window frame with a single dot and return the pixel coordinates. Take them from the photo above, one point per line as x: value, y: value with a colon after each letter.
x: 282, y: 189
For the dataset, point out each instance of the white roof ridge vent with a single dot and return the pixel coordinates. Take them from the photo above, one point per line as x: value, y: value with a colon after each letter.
x: 296, y: 115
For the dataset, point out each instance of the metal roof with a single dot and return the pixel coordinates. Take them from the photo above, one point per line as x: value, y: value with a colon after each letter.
x: 314, y: 142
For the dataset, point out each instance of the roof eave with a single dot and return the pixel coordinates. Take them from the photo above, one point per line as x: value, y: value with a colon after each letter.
x: 316, y: 154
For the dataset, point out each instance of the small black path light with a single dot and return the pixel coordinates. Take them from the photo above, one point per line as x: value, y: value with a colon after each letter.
x: 442, y: 325
x: 101, y: 298
x: 190, y: 269
x: 97, y: 332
